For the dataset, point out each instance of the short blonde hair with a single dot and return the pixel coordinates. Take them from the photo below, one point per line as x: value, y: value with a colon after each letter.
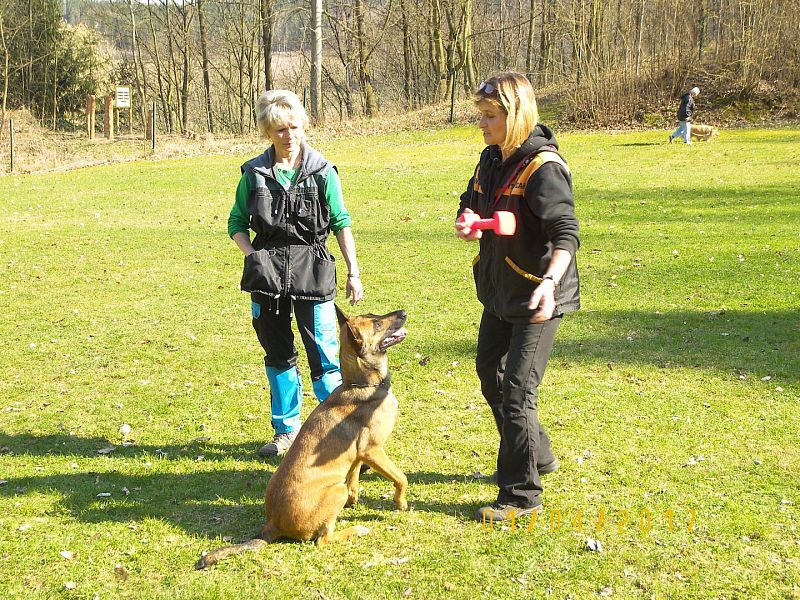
x: 276, y: 107
x: 512, y: 93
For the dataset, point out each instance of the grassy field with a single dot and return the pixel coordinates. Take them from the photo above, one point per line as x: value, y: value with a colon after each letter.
x: 672, y: 398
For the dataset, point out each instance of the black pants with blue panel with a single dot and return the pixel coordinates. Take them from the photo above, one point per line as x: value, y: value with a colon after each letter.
x: 319, y: 332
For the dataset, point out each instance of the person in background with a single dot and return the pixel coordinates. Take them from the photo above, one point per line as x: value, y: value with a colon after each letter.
x: 685, y: 114
x: 526, y: 281
x: 291, y: 197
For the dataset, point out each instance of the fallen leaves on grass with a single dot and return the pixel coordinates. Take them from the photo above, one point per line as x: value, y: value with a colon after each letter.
x: 693, y: 461
x: 106, y: 450
x: 121, y: 572
x: 67, y: 554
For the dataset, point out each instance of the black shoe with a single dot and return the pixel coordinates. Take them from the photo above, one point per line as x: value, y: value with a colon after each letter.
x: 504, y: 512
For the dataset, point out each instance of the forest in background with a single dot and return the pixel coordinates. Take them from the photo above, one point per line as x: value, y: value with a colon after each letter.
x: 203, y: 62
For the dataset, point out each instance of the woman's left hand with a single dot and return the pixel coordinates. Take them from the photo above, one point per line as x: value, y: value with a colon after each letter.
x: 543, y: 301
x: 354, y: 290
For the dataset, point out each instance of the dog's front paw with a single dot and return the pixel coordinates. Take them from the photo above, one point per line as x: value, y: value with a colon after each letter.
x: 401, y: 504
x: 352, y: 498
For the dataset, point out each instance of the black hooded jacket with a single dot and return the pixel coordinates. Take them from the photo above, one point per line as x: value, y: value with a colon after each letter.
x: 686, y: 109
x: 509, y: 268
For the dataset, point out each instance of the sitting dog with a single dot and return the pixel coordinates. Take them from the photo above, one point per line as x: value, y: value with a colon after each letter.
x: 318, y: 476
x: 703, y: 132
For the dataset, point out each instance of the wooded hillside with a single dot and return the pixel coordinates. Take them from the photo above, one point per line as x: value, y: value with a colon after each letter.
x: 611, y: 62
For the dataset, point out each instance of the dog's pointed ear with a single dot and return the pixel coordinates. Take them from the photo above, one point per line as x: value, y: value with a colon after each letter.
x: 352, y: 331
x: 340, y: 316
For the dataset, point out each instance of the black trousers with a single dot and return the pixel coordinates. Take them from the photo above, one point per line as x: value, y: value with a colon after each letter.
x: 511, y: 360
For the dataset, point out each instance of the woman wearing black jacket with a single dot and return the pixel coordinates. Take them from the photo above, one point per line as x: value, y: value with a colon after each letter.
x: 526, y: 281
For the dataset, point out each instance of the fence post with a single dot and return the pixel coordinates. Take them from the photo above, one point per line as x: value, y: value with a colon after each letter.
x: 153, y: 130
x: 108, y: 117
x: 453, y: 98
x: 11, y: 139
x: 90, y: 116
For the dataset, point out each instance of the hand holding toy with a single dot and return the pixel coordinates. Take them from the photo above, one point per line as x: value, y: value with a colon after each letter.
x: 502, y: 223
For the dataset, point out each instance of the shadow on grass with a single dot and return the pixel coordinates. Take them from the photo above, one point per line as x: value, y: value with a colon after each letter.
x: 218, y: 502
x: 758, y: 343
x: 641, y: 144
x: 68, y: 445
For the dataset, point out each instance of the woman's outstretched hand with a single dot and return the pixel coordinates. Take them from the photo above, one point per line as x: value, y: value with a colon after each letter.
x: 465, y: 232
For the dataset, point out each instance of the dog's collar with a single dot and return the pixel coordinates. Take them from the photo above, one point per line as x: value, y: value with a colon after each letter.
x: 384, y: 383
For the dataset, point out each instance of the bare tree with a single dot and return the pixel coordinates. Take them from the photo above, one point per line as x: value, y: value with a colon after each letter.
x: 316, y: 60
x: 201, y: 19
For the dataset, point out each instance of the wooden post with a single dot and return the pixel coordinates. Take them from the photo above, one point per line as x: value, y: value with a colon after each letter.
x: 453, y: 99
x: 148, y: 131
x: 116, y: 118
x: 11, y: 138
x: 108, y: 118
x: 90, y: 116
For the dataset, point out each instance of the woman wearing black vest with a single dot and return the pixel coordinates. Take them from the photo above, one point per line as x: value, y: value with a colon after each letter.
x: 291, y: 197
x: 526, y: 281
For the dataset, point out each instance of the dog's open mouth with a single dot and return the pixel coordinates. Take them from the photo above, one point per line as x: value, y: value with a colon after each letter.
x: 395, y: 338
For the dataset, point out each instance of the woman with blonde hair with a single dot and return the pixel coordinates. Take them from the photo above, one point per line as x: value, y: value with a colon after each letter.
x: 291, y: 197
x: 526, y: 281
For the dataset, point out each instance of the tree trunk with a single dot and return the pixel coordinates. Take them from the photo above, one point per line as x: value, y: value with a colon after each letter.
x: 4, y: 48
x: 137, y: 64
x: 438, y: 65
x: 163, y: 95
x: 201, y: 19
x: 529, y: 53
x: 316, y: 60
x: 639, y: 24
x: 267, y: 33
x: 370, y: 102
x: 407, y: 64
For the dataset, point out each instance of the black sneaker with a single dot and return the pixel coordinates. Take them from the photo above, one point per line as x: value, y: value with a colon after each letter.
x: 504, y: 512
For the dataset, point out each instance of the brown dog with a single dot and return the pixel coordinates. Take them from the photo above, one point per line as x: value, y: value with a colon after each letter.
x: 703, y: 132
x: 318, y: 476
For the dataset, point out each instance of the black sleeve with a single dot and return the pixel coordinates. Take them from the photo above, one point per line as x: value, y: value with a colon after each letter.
x: 549, y: 196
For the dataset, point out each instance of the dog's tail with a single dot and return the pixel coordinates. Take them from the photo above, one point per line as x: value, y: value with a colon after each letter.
x: 209, y: 559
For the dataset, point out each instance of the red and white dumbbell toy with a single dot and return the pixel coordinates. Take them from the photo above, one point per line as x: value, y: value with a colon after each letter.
x: 502, y: 222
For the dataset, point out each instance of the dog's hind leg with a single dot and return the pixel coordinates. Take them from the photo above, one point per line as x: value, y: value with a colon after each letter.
x: 329, y: 535
x: 377, y: 459
x: 333, y: 501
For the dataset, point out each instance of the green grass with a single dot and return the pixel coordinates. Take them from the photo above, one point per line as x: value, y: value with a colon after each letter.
x: 119, y: 304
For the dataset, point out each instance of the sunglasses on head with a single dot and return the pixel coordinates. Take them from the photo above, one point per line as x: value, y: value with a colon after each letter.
x: 487, y: 88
